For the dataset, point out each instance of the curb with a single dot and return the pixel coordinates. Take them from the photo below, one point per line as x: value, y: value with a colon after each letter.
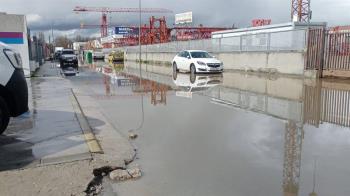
x: 90, y: 138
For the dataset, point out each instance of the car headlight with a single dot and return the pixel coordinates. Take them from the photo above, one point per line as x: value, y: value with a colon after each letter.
x: 14, y: 58
x: 222, y: 64
x: 201, y: 63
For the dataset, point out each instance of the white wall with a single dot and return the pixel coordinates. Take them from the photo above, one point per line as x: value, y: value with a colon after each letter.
x: 17, y: 23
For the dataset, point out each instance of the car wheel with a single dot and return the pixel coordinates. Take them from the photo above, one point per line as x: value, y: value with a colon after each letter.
x: 174, y: 75
x: 192, y: 78
x: 193, y: 69
x: 4, y: 115
x: 175, y: 67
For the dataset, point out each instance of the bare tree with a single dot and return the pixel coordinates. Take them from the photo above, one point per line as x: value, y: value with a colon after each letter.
x: 63, y: 41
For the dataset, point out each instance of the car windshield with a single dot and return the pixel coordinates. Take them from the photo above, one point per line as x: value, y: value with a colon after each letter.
x: 197, y: 55
x: 68, y: 52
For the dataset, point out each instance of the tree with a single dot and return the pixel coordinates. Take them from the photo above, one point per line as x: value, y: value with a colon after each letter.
x: 63, y: 41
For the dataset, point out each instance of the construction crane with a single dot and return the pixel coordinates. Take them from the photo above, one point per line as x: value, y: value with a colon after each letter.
x: 301, y: 11
x: 106, y: 10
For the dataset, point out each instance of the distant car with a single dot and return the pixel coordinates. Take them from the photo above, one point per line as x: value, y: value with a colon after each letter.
x: 13, y: 86
x: 68, y: 59
x: 116, y: 56
x: 57, y: 55
x: 196, y: 61
x: 98, y: 55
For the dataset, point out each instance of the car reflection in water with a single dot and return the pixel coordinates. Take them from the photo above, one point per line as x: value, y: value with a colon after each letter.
x: 190, y: 83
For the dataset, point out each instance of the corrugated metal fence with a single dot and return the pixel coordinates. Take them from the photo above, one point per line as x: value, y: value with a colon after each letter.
x: 315, y: 47
x: 326, y: 105
x: 328, y: 50
x: 337, y: 51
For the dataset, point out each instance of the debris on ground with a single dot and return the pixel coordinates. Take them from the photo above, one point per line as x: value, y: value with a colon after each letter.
x: 122, y: 175
x: 133, y: 136
x: 95, y: 185
x: 119, y: 175
x: 135, y: 172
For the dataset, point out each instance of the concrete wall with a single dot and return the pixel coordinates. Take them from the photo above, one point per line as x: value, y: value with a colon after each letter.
x: 164, y: 57
x: 11, y: 23
x: 280, y: 62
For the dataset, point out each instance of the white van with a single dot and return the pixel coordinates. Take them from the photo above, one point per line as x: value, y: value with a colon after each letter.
x: 13, y: 86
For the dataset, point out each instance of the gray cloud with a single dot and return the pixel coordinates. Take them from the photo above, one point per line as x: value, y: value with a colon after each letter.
x: 42, y: 14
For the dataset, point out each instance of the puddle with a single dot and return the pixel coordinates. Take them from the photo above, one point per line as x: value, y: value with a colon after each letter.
x: 229, y: 134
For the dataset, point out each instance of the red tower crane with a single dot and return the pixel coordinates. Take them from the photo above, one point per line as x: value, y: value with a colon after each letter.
x: 106, y: 10
x: 301, y: 10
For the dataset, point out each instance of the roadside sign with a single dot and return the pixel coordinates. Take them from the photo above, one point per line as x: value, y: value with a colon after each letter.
x: 126, y: 82
x: 122, y: 30
x: 183, y: 18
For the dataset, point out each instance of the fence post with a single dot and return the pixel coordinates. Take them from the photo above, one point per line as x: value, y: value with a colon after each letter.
x: 324, y: 35
x: 241, y: 43
x: 268, y: 42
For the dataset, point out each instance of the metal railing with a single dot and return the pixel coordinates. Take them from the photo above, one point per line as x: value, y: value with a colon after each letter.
x: 292, y: 40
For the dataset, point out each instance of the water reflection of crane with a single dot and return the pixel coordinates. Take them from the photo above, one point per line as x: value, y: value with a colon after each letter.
x: 158, y: 91
x: 294, y: 136
x: 107, y: 83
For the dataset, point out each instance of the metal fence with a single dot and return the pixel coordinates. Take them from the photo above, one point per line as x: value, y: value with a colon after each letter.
x: 337, y: 51
x: 315, y: 48
x: 292, y: 40
x: 326, y: 105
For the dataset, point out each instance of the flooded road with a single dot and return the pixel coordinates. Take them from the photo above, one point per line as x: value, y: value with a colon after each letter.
x: 229, y: 134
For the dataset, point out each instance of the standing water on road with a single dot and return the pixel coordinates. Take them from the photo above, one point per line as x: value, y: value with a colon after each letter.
x: 229, y: 134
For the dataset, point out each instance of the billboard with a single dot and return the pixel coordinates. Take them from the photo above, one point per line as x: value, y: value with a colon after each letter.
x: 122, y: 30
x: 183, y: 18
x: 261, y: 22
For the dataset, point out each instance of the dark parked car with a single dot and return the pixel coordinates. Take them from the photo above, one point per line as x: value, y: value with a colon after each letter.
x: 13, y: 86
x: 57, y: 55
x: 68, y: 59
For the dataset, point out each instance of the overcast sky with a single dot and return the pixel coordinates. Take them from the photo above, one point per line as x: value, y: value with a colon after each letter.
x: 41, y: 14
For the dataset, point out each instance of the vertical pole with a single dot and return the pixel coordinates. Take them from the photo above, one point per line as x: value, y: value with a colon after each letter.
x: 53, y: 38
x: 268, y: 41
x: 309, y: 12
x: 140, y: 39
x: 241, y: 43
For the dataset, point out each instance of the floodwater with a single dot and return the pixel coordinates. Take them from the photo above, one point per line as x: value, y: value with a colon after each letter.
x: 228, y: 134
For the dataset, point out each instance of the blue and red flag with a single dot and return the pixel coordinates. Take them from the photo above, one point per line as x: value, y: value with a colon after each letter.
x: 11, y: 37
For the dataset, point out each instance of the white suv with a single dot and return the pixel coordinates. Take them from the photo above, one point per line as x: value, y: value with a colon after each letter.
x: 13, y: 86
x: 196, y: 61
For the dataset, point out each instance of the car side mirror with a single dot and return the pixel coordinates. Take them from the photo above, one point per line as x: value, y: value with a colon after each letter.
x: 188, y: 57
x: 214, y: 56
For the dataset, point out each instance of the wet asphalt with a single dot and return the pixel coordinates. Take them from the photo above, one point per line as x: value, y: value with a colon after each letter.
x: 49, y: 132
x: 226, y: 134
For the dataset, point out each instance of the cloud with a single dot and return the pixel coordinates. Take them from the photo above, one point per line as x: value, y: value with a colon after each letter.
x: 222, y: 13
x: 33, y: 18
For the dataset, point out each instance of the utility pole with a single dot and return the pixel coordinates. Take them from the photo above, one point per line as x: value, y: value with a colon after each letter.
x: 53, y: 38
x: 140, y: 40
